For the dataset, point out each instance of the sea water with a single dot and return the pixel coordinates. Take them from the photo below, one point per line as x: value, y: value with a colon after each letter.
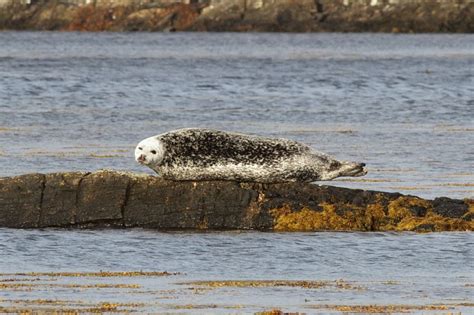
x: 403, y: 104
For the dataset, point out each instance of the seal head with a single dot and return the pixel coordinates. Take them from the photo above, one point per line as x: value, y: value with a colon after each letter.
x: 149, y: 152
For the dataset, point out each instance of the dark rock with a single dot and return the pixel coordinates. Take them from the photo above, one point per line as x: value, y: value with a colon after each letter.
x: 426, y: 228
x: 108, y: 198
x: 451, y: 208
x: 21, y: 199
x: 157, y: 203
x: 60, y: 197
x: 419, y: 211
x: 101, y: 196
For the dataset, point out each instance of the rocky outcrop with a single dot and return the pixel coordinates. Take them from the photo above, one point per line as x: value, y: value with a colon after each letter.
x: 247, y: 15
x: 116, y: 199
x: 339, y: 16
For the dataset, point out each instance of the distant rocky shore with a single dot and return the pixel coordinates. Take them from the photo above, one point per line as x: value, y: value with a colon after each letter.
x: 242, y: 16
x: 116, y: 199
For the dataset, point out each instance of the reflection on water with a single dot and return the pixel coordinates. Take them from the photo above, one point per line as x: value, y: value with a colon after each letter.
x: 404, y: 104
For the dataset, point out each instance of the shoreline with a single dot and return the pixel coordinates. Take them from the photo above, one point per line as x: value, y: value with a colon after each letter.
x: 300, y: 16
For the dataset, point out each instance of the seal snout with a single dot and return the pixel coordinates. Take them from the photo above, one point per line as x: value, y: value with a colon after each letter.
x: 141, y: 158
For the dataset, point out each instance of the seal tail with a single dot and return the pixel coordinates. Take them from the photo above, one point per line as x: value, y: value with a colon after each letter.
x: 346, y: 169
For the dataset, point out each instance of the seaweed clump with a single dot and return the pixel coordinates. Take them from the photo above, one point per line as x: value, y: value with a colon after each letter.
x: 277, y: 312
x: 405, y: 213
x: 383, y: 309
x: 331, y: 218
x: 415, y: 214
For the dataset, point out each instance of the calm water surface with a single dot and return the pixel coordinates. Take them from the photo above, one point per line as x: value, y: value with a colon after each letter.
x: 387, y: 268
x: 403, y: 104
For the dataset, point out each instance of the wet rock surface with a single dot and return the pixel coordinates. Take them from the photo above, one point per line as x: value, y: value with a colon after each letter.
x: 117, y: 199
x: 236, y: 15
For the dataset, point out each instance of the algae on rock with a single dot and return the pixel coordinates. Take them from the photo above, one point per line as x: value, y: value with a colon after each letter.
x: 405, y: 213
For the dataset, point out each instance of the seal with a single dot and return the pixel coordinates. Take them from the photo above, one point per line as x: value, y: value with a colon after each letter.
x: 207, y: 154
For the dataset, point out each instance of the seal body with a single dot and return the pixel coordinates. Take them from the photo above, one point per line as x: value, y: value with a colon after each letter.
x: 206, y: 154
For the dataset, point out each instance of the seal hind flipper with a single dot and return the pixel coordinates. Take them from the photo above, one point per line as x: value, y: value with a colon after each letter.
x: 346, y: 169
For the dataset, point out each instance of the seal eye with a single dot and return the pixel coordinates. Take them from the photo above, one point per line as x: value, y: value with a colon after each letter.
x: 153, y: 151
x: 140, y: 148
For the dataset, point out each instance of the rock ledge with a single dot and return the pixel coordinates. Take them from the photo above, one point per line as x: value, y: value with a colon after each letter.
x: 118, y: 199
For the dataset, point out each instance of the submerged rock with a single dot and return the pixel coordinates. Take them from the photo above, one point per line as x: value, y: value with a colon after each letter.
x: 117, y: 199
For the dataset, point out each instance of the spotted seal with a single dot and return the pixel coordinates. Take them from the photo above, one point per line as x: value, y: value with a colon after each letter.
x: 206, y: 154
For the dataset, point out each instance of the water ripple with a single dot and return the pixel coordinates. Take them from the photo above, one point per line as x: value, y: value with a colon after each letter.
x: 377, y: 98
